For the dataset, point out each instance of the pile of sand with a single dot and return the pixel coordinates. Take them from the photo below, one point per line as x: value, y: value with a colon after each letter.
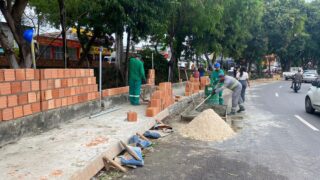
x: 207, y: 126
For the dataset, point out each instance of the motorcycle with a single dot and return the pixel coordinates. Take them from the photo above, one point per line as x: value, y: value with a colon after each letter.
x: 296, y: 86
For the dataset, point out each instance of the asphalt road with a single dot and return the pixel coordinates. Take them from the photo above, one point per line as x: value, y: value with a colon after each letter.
x: 276, y: 143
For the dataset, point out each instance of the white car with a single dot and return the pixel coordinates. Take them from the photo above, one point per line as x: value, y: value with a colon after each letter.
x: 310, y: 75
x: 312, y: 100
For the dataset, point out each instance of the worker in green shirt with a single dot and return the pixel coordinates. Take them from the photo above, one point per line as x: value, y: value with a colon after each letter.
x: 136, y: 75
x: 214, y: 78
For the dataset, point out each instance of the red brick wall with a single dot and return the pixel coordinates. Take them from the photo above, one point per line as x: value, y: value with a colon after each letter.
x: 27, y: 91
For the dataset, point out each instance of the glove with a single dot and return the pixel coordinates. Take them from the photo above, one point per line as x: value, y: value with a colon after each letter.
x: 213, y: 92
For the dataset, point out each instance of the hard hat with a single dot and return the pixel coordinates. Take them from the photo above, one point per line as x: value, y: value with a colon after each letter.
x: 217, y: 65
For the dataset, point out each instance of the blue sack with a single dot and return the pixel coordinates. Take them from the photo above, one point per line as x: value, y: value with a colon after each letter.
x: 139, y: 142
x: 132, y: 161
x: 152, y: 135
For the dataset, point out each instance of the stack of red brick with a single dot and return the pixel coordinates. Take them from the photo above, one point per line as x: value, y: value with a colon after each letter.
x: 27, y: 91
x: 192, y: 86
x: 115, y: 91
x: 64, y: 87
x: 204, y: 80
x: 160, y: 99
x: 151, y: 77
x: 19, y: 93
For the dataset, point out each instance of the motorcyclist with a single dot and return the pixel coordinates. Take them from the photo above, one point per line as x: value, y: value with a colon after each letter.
x: 297, y: 78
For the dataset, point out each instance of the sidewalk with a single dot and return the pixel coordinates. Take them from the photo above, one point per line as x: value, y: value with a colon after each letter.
x: 75, y: 150
x: 66, y: 152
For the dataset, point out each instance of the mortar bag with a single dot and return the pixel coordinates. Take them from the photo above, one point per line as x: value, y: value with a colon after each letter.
x: 131, y: 161
x: 152, y: 135
x: 139, y: 142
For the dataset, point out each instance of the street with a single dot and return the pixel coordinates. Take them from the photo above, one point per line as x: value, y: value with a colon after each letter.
x: 279, y: 141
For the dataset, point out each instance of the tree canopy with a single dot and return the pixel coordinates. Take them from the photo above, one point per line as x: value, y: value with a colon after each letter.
x: 245, y: 30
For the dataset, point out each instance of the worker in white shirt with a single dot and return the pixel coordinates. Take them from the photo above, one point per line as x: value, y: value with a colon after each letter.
x: 243, y: 78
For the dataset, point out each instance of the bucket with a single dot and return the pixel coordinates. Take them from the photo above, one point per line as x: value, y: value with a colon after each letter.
x: 237, y: 122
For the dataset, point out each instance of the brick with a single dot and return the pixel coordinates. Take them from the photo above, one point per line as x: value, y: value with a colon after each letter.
x: 17, y: 112
x: 46, y: 74
x: 64, y: 102
x: 51, y: 104
x: 152, y: 111
x: 9, y: 75
x: 20, y: 74
x: 36, y: 74
x: 12, y: 100
x: 54, y: 73
x: 27, y: 110
x: 3, y: 102
x: 70, y: 82
x: 91, y: 72
x: 0, y: 115
x: 132, y: 116
x: 69, y: 100
x: 50, y: 83
x: 75, y: 99
x: 1, y: 77
x: 78, y: 73
x: 157, y: 95
x: 25, y: 86
x: 35, y: 85
x: 64, y: 83
x: 61, y: 93
x: 35, y: 107
x: 7, y: 114
x: 75, y: 82
x: 57, y: 83
x: 30, y: 74
x: 155, y: 103
x: 72, y: 91
x: 55, y: 93
x: 48, y: 94
x: 58, y: 103
x: 44, y: 84
x: 22, y: 99
x: 67, y: 92
x: 73, y: 73
x: 15, y: 87
x: 32, y: 97
x: 67, y: 73
x: 5, y: 88
x: 38, y: 96
x: 61, y: 73
x: 44, y: 105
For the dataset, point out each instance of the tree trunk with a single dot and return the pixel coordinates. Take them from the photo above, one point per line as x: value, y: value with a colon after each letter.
x: 8, y: 49
x: 172, y: 59
x: 119, y: 55
x: 126, y: 69
x: 63, y: 31
x: 12, y: 15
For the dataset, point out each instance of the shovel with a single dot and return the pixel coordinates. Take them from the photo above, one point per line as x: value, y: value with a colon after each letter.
x: 202, y: 102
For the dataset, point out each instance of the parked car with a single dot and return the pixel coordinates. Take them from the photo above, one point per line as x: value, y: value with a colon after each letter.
x: 312, y: 100
x: 310, y: 75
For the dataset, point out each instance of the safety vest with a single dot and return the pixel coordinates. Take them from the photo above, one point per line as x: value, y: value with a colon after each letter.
x: 231, y: 83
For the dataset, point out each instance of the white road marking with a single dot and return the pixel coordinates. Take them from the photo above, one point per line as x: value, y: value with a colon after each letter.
x: 280, y: 87
x: 276, y: 94
x: 306, y: 123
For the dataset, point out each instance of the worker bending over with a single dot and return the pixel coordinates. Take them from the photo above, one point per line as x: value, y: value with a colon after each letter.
x: 235, y: 86
x: 136, y: 75
x: 214, y: 78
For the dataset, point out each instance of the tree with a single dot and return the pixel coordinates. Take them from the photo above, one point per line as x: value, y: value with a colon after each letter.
x: 12, y: 11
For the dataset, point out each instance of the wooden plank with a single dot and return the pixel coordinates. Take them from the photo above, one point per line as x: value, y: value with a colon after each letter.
x: 108, y: 161
x: 130, y: 151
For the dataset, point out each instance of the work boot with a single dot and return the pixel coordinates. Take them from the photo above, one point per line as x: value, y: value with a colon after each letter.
x: 241, y: 109
x: 233, y: 112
